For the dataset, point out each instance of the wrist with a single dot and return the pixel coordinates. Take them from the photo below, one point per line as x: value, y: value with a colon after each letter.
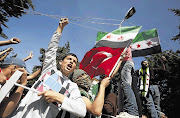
x: 9, y: 41
x: 102, y: 86
x: 60, y: 98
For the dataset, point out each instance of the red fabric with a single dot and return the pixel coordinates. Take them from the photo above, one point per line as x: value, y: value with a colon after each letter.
x: 97, y: 62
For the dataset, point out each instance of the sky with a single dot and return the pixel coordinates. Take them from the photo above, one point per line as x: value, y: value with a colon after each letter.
x: 35, y: 31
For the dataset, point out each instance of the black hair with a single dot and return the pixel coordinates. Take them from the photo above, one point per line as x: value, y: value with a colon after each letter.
x: 2, y: 66
x: 144, y: 61
x: 72, y: 54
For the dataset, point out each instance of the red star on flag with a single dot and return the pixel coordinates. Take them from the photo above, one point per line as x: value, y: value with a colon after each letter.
x: 138, y: 46
x: 109, y: 36
x: 120, y: 38
x: 149, y: 43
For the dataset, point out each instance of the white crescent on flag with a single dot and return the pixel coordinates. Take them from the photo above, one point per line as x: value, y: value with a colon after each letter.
x: 107, y: 54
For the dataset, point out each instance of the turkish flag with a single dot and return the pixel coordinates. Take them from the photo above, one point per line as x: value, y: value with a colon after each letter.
x: 100, y: 61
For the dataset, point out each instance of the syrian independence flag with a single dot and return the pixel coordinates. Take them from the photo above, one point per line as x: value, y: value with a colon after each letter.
x: 146, y: 43
x: 108, y: 48
x: 119, y: 38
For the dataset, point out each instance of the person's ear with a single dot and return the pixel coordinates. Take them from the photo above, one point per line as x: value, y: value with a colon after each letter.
x: 60, y: 62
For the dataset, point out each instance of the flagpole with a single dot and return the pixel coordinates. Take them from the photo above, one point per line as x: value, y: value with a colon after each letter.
x: 121, y: 23
x: 119, y: 59
x: 19, y: 85
x: 129, y: 14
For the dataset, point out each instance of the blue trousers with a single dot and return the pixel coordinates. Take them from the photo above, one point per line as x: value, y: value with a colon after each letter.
x: 130, y: 104
x: 153, y: 101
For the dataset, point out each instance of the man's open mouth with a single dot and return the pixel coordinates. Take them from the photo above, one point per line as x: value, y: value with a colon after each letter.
x: 69, y: 66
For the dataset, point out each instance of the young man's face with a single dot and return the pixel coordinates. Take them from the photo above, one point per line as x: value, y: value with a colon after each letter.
x: 9, y: 71
x: 145, y: 64
x: 68, y: 65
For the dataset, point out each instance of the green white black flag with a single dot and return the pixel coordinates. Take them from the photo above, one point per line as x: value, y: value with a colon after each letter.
x: 146, y: 43
x: 118, y: 38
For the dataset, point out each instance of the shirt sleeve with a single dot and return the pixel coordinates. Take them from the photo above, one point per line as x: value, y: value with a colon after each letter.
x: 75, y: 103
x: 50, y: 55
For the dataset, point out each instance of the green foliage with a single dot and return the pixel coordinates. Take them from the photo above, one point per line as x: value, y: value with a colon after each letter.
x: 177, y: 13
x: 169, y: 80
x: 61, y: 52
x: 12, y: 8
x: 42, y: 57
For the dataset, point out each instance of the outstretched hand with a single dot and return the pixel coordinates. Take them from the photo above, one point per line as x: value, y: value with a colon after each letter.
x: 10, y: 49
x: 31, y: 55
x: 15, y: 40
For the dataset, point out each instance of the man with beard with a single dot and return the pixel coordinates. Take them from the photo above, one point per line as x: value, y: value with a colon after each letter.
x: 149, y: 87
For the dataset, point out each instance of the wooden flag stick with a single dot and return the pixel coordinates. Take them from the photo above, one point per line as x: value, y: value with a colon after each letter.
x: 119, y: 61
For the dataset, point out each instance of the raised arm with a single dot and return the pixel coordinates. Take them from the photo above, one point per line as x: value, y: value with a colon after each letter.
x: 7, y: 50
x: 163, y: 59
x: 96, y: 107
x: 118, y: 65
x: 4, y: 56
x: 28, y: 57
x: 11, y: 41
x: 32, y: 76
x: 50, y: 54
x: 63, y: 22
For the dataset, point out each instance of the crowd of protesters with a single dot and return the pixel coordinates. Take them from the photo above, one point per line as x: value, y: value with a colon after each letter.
x: 80, y: 96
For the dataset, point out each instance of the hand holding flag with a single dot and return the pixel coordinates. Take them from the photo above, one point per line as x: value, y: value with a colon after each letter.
x: 109, y: 46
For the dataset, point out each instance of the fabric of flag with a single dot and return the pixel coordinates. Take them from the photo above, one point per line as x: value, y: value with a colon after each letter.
x: 146, y: 43
x: 118, y: 38
x: 99, y: 61
x: 108, y: 48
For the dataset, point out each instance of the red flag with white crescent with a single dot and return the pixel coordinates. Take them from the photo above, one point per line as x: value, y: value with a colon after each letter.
x: 101, y: 60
